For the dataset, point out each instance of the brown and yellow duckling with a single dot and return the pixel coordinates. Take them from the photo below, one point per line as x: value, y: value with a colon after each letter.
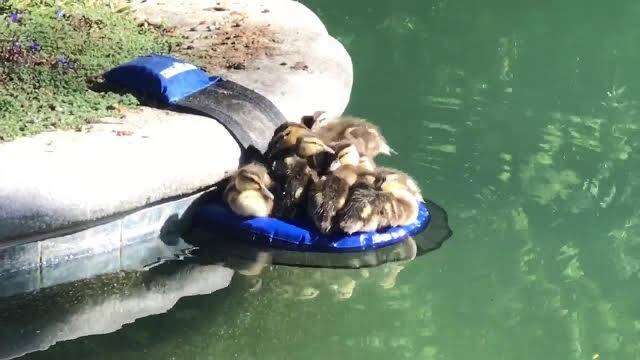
x: 366, y: 209
x: 390, y: 199
x: 289, y: 154
x: 248, y: 191
x: 329, y: 194
x: 285, y: 140
x: 406, y: 195
x: 365, y: 136
x: 394, y: 178
x: 293, y: 138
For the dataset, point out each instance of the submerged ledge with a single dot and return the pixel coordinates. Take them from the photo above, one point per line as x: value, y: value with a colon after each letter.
x: 111, y: 174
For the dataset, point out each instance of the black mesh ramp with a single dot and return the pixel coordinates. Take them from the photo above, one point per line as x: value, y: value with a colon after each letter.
x: 250, y: 117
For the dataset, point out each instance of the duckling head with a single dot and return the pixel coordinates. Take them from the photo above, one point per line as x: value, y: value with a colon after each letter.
x: 394, y: 181
x: 310, y: 145
x: 254, y: 177
x: 345, y: 154
x: 286, y: 137
x: 370, y: 140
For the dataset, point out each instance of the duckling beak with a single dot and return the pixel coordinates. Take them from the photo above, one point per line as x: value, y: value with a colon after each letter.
x: 266, y: 192
x: 387, y: 150
x: 328, y: 149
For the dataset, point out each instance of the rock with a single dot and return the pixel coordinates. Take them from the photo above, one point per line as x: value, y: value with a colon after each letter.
x: 296, y: 36
x: 53, y: 180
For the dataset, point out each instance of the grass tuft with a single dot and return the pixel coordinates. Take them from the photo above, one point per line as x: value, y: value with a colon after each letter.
x: 51, y: 52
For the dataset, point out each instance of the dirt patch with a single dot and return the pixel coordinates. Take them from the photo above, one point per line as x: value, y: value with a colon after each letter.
x: 230, y: 45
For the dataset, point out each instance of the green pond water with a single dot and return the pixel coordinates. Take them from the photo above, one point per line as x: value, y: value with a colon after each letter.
x: 520, y: 118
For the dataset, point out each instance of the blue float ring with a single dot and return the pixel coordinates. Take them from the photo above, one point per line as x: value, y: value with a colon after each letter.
x: 300, y: 235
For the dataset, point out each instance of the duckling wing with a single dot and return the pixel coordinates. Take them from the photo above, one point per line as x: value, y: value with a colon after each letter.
x: 326, y: 198
x: 367, y: 209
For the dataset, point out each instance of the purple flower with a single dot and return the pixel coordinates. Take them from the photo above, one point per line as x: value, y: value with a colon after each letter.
x: 35, y: 46
x: 16, y: 46
x: 15, y: 17
x: 62, y: 60
x: 65, y: 63
x: 59, y: 14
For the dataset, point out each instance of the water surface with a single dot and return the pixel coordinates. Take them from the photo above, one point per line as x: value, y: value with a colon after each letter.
x: 521, y: 119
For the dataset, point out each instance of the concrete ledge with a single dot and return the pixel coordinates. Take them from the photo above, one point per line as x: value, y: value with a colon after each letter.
x: 54, y: 180
x: 132, y: 242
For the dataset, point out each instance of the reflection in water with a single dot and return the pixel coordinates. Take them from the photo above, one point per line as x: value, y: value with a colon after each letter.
x: 102, y: 305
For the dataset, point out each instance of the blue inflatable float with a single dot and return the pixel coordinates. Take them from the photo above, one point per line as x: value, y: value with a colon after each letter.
x: 249, y: 117
x: 300, y: 235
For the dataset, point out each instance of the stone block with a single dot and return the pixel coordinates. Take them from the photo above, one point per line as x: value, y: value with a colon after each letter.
x: 97, y: 240
x: 78, y: 268
x: 19, y: 257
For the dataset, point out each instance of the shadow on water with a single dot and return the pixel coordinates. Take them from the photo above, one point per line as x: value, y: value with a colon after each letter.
x: 101, y: 305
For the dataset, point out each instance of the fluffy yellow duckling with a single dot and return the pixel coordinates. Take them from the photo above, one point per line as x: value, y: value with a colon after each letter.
x: 248, y: 191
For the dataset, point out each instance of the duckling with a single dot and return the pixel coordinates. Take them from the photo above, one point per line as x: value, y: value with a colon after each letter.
x: 344, y: 153
x: 293, y: 176
x: 329, y: 194
x: 248, y: 191
x: 366, y: 209
x: 397, y: 178
x: 309, y: 146
x: 285, y: 138
x: 366, y: 136
x: 390, y: 199
x: 293, y: 138
x: 406, y: 195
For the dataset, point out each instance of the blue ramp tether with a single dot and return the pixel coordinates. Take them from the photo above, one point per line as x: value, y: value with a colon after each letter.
x: 250, y: 117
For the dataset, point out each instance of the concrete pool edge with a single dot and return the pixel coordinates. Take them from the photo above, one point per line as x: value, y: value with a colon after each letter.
x: 139, y: 160
x: 129, y: 242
